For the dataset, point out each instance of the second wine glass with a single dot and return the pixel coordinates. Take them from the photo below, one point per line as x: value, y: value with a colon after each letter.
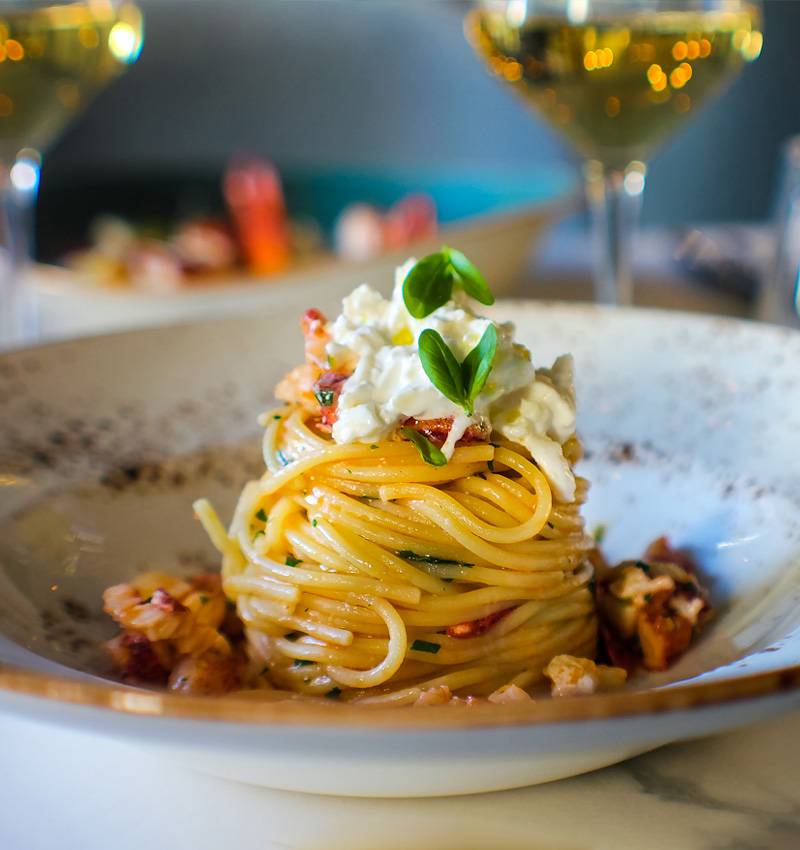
x: 615, y: 77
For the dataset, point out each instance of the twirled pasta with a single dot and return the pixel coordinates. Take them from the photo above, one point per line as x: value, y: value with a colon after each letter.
x: 360, y: 569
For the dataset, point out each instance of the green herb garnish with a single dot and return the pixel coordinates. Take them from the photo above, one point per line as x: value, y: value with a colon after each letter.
x: 291, y: 561
x: 314, y: 523
x: 599, y: 534
x: 430, y: 282
x: 425, y: 646
x: 261, y: 514
x: 643, y: 566
x: 204, y: 599
x: 427, y: 450
x: 333, y: 693
x: 430, y: 559
x: 459, y: 382
x: 277, y: 417
x: 648, y: 597
x: 324, y: 397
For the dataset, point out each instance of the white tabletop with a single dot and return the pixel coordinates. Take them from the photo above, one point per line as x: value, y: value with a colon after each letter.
x: 67, y: 791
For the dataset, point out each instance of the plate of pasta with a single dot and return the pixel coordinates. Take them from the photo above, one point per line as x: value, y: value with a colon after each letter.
x: 430, y: 545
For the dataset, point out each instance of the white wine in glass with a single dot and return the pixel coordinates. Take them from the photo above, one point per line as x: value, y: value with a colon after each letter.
x: 54, y: 58
x: 615, y: 77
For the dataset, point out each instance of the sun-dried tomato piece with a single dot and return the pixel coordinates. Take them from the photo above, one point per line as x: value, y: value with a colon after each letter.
x: 437, y: 430
x: 327, y: 389
x: 475, y: 628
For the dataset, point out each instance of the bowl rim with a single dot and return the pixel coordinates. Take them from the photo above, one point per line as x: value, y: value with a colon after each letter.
x: 247, y: 709
x: 319, y: 712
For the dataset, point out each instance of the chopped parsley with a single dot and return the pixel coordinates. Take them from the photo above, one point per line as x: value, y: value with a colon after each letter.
x: 643, y: 566
x: 324, y: 397
x: 425, y: 646
x: 261, y: 515
x: 373, y: 445
x: 333, y: 693
x: 430, y: 559
x: 490, y: 464
x: 314, y: 523
x: 291, y: 561
x: 204, y: 599
x: 648, y: 597
x: 599, y: 533
x: 277, y: 417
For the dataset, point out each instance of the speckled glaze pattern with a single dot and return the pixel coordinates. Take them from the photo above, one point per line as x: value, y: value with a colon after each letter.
x: 690, y: 427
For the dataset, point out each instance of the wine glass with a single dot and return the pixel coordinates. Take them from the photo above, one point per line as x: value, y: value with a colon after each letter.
x: 54, y: 58
x: 615, y: 77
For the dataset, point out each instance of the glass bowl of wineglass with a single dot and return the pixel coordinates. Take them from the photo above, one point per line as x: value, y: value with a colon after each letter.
x: 616, y: 78
x: 54, y: 58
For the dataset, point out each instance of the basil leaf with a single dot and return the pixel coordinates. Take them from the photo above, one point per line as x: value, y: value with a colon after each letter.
x: 441, y: 366
x: 427, y: 450
x: 477, y: 365
x: 471, y: 280
x: 428, y: 285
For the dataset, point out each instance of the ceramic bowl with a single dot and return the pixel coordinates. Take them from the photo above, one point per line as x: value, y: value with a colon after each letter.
x: 690, y: 426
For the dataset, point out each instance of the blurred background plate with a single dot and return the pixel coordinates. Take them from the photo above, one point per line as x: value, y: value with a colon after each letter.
x: 494, y: 215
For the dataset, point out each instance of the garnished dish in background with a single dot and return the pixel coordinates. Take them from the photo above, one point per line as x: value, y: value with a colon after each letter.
x: 256, y: 235
x: 416, y: 537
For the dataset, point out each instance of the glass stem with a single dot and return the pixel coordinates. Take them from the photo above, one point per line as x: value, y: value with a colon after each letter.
x: 18, y: 193
x: 615, y: 199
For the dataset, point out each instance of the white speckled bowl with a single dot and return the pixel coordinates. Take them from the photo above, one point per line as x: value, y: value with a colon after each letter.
x: 691, y: 426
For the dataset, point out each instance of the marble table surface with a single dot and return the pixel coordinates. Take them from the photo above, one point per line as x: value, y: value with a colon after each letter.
x: 71, y: 791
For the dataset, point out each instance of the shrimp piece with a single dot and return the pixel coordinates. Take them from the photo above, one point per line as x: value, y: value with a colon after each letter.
x: 508, y: 694
x: 438, y: 695
x: 140, y: 659
x: 208, y: 674
x: 188, y: 617
x: 297, y: 387
x: 573, y: 676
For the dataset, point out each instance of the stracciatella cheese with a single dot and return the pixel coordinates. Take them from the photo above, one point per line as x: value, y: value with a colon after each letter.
x: 378, y: 337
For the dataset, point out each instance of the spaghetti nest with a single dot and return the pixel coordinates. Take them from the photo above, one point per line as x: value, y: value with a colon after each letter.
x: 361, y: 570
